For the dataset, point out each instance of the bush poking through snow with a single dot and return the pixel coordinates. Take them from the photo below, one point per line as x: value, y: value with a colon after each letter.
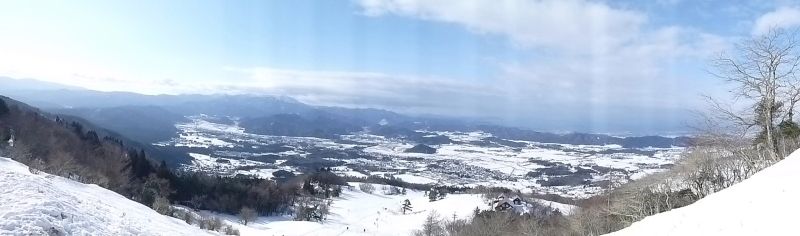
x: 229, y: 230
x: 391, y: 190
x: 188, y: 217
x: 311, y: 209
x: 206, y: 221
x: 367, y: 188
x: 33, y: 170
x: 216, y: 224
x: 161, y: 205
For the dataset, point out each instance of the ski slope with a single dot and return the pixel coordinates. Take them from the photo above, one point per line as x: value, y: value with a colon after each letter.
x: 43, y: 204
x: 360, y: 213
x: 764, y: 204
x: 357, y: 213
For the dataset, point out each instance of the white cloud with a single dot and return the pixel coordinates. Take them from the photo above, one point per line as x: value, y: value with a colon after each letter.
x: 22, y: 59
x: 573, y: 25
x: 784, y: 17
x: 591, y: 61
x: 597, y: 54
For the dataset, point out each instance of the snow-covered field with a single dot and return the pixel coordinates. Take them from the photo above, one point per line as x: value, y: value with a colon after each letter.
x: 43, y: 204
x: 359, y: 213
x: 511, y: 166
x: 764, y: 204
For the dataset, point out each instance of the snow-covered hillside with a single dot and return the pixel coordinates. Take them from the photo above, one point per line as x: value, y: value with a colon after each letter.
x: 43, y: 204
x: 765, y: 204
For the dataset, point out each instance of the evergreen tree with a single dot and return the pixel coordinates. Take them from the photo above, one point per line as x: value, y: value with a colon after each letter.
x: 140, y: 166
x: 92, y: 138
x: 442, y: 193
x: 307, y: 187
x: 789, y: 129
x: 432, y: 196
x: 403, y: 191
x: 327, y: 190
x: 406, y: 206
x: 77, y: 127
x: 3, y: 108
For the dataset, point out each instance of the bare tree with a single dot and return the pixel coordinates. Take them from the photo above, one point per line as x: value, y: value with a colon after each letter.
x: 323, y: 210
x: 246, y: 215
x: 432, y: 226
x: 762, y: 73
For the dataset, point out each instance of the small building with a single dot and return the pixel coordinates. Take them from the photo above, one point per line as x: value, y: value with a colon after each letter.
x: 504, y: 205
x: 499, y: 198
x: 516, y: 199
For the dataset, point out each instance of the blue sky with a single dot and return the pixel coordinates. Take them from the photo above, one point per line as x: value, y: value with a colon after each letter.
x: 556, y: 65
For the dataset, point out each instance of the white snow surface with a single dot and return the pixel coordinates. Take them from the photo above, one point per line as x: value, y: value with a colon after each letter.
x: 43, y: 204
x: 764, y: 204
x: 416, y: 179
x: 360, y: 213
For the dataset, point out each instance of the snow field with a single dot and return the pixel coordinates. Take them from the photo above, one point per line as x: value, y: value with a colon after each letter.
x: 359, y: 213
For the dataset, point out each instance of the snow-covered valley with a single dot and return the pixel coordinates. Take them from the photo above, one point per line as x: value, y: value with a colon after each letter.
x: 470, y: 159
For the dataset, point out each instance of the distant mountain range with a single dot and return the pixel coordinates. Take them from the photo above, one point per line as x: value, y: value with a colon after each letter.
x: 152, y: 118
x: 8, y: 84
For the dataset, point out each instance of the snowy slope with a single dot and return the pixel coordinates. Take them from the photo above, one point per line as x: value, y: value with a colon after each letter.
x: 359, y: 213
x: 765, y: 204
x: 42, y: 204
